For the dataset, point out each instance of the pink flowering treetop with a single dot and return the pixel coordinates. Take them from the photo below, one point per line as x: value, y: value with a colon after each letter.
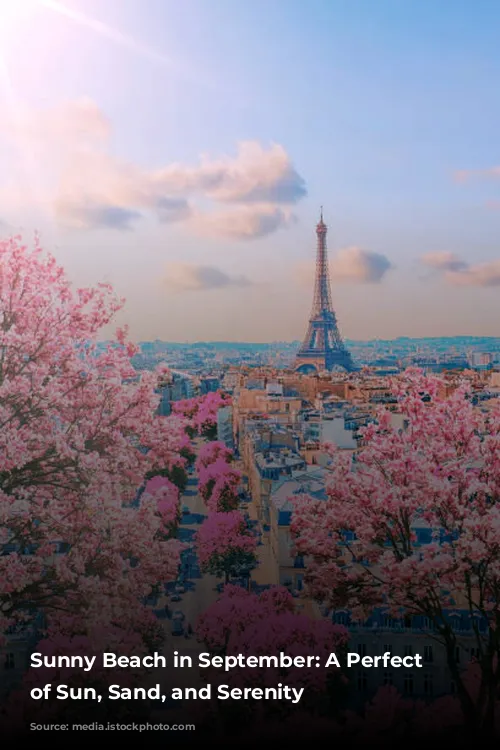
x: 176, y: 469
x: 202, y: 413
x: 186, y: 447
x: 206, y: 416
x: 412, y: 524
x: 166, y: 495
x: 225, y: 544
x: 224, y: 620
x: 265, y: 625
x: 185, y: 407
x: 218, y: 484
x: 79, y: 432
x: 210, y: 452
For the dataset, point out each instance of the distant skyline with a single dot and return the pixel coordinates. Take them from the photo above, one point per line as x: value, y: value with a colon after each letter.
x: 227, y: 342
x: 181, y: 151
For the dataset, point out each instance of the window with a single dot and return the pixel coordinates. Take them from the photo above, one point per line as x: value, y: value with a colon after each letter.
x: 428, y: 684
x: 388, y: 678
x: 474, y: 653
x: 428, y: 654
x: 341, y: 618
x: 388, y: 622
x: 362, y: 649
x: 9, y: 661
x: 362, y: 681
x: 408, y: 683
x: 408, y: 650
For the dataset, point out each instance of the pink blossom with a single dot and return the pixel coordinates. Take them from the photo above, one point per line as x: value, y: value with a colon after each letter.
x: 439, y: 477
x: 202, y: 411
x: 165, y: 494
x: 79, y: 433
x: 224, y: 543
x: 266, y: 624
x: 218, y: 484
x: 210, y: 452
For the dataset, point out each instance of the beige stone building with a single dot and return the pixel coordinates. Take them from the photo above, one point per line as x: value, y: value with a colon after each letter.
x: 290, y: 567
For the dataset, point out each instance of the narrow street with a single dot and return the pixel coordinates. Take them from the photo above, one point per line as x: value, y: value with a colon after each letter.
x: 200, y: 593
x: 200, y: 589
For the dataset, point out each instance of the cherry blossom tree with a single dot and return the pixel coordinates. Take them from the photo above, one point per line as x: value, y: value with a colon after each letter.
x: 218, y: 485
x: 225, y: 544
x: 201, y: 413
x: 412, y: 525
x: 166, y: 495
x: 206, y: 416
x: 79, y: 432
x: 186, y: 407
x: 265, y: 625
x: 210, y: 452
x: 228, y: 617
x: 176, y: 471
x: 188, y: 454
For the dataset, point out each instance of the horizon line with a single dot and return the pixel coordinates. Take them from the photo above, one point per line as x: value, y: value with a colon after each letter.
x: 297, y: 341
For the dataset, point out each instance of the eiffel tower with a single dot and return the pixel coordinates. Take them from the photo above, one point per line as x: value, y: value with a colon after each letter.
x: 323, y: 347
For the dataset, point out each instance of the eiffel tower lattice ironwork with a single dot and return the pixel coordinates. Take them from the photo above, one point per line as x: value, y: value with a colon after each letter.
x: 323, y: 347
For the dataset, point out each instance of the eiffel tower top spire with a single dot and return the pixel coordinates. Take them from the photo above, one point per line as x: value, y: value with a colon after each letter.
x: 321, y: 224
x: 322, y: 299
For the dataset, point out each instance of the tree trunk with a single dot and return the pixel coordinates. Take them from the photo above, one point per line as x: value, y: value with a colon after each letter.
x: 488, y: 722
x: 470, y: 711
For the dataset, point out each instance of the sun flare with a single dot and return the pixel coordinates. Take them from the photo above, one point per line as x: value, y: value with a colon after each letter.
x: 14, y: 12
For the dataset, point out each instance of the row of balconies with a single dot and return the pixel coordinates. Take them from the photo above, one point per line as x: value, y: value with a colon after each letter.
x: 396, y: 628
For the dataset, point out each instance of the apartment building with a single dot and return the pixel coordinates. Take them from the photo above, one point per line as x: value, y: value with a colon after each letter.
x: 311, y: 480
x: 225, y: 429
x: 407, y: 636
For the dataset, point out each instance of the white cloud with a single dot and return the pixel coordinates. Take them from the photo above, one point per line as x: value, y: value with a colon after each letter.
x: 355, y: 265
x: 443, y: 261
x: 481, y: 274
x: 86, y: 215
x: 93, y: 188
x: 243, y: 222
x: 254, y: 175
x: 349, y: 265
x: 460, y: 273
x: 190, y: 277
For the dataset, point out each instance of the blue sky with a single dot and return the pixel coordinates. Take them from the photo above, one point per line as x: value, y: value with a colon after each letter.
x: 386, y: 113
